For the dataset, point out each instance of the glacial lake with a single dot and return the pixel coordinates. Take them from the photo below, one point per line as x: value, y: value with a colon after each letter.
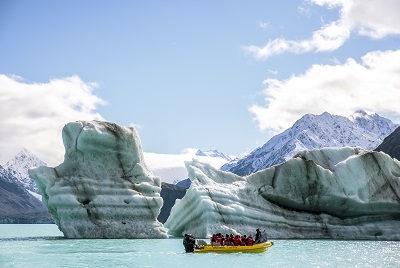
x: 42, y: 245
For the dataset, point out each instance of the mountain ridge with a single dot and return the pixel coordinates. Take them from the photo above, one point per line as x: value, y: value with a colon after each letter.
x: 213, y: 153
x: 18, y: 166
x: 18, y: 205
x: 360, y: 129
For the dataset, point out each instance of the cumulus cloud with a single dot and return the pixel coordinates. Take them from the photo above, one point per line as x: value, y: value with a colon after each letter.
x: 372, y: 18
x: 33, y: 114
x: 372, y: 84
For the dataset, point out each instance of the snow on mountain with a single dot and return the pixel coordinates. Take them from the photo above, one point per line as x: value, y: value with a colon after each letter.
x: 7, y: 176
x: 171, y: 167
x: 18, y: 166
x: 17, y: 205
x: 361, y: 129
x: 213, y: 153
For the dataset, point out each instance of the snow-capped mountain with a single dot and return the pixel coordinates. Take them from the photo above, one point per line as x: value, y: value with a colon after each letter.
x: 6, y: 175
x: 17, y: 205
x: 213, y: 153
x: 18, y: 166
x: 316, y: 131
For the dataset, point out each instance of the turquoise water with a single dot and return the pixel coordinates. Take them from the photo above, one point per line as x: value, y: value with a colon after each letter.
x: 44, y: 246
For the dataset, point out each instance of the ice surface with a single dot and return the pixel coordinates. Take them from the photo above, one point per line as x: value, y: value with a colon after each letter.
x: 345, y: 193
x: 103, y: 189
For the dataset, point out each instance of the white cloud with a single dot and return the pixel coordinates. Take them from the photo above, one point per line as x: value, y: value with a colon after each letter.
x: 330, y: 37
x: 33, y: 114
x: 373, y: 84
x: 171, y: 167
x: 372, y: 18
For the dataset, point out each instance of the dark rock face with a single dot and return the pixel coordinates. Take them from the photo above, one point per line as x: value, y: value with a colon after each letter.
x: 169, y: 193
x: 391, y: 145
x: 17, y: 205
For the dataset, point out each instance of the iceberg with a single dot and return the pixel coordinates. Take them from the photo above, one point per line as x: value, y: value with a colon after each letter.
x: 330, y: 193
x: 103, y: 189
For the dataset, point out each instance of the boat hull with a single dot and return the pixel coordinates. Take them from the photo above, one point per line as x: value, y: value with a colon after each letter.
x: 257, y: 248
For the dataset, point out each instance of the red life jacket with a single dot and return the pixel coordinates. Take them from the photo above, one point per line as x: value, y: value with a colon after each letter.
x: 237, y: 241
x: 219, y: 240
x: 213, y: 239
x: 249, y: 241
x: 227, y: 240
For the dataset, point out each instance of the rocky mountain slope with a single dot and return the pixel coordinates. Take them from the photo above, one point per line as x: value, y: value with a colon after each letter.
x: 312, y: 132
x: 391, y: 144
x: 17, y: 205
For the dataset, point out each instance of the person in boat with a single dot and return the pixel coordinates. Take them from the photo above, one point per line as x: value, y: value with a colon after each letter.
x: 213, y: 239
x: 237, y: 241
x: 260, y: 237
x: 249, y: 241
x: 227, y: 241
x: 189, y: 242
x: 220, y: 239
x: 244, y: 239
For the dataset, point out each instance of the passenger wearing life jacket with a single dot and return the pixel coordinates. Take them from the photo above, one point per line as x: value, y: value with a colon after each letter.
x: 231, y: 237
x: 237, y: 241
x: 227, y: 241
x: 249, y: 241
x: 220, y: 239
x: 213, y: 239
x: 244, y: 239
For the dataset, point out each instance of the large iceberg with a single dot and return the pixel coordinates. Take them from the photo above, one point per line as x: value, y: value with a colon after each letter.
x: 103, y: 189
x: 345, y: 193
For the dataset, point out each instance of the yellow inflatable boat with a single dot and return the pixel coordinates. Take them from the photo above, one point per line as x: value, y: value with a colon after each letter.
x: 256, y: 248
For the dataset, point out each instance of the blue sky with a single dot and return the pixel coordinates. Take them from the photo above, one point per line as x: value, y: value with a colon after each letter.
x: 200, y: 74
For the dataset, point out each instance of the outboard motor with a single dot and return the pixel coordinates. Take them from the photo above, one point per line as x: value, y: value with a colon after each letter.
x: 189, y: 241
